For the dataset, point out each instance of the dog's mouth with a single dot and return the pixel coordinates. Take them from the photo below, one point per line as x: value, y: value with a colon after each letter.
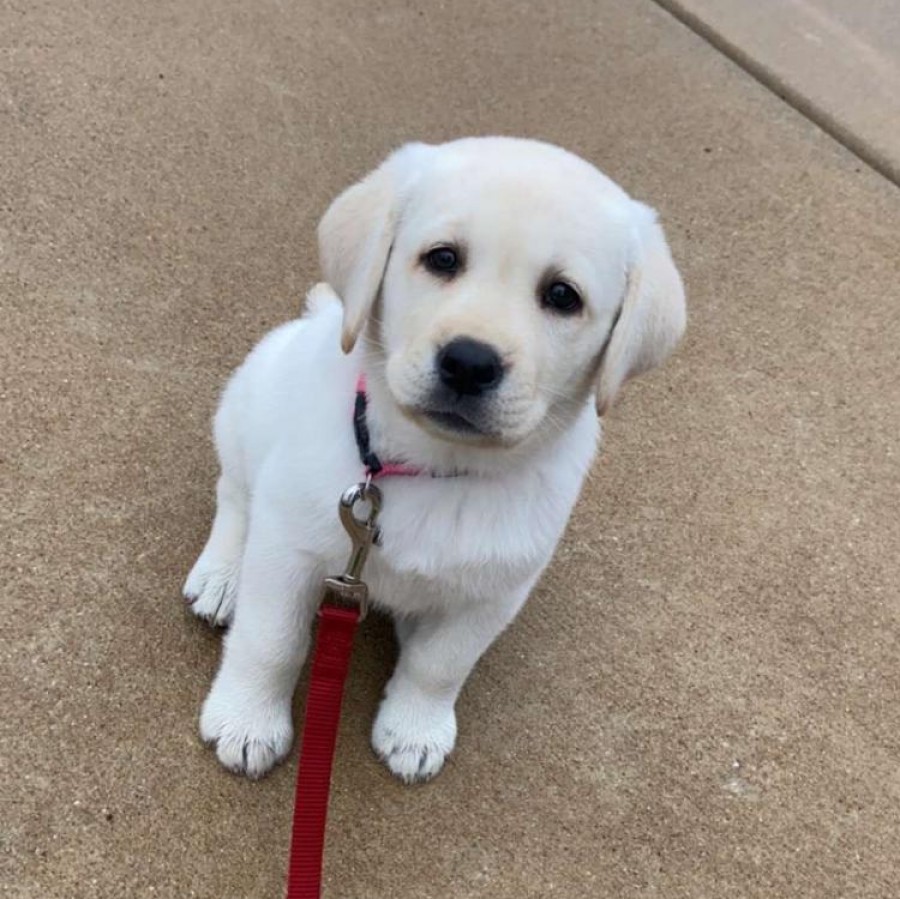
x: 453, y: 425
x: 452, y: 421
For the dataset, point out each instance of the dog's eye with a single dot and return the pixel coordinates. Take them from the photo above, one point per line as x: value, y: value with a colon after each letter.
x: 562, y: 298
x: 442, y: 261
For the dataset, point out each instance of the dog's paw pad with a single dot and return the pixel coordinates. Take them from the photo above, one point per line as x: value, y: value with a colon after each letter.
x: 247, y: 743
x: 211, y: 592
x: 414, y: 747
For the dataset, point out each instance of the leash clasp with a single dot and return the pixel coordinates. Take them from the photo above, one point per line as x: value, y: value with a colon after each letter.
x: 348, y: 588
x: 363, y: 532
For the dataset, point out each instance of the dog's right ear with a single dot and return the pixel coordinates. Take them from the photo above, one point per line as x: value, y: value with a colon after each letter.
x: 356, y: 234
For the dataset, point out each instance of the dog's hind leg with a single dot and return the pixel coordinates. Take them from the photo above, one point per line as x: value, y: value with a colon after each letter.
x: 211, y: 587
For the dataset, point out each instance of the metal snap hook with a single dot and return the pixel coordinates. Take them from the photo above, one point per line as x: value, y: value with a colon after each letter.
x: 363, y: 532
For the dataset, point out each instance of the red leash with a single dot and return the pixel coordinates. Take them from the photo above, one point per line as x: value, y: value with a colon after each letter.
x: 343, y: 607
x: 331, y: 662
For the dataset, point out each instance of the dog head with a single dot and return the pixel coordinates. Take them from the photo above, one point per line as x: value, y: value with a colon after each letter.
x: 501, y: 282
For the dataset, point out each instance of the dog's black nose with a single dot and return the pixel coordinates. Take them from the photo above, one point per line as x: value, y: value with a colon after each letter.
x: 469, y: 367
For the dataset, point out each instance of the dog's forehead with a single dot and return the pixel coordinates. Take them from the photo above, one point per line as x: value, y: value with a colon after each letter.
x: 527, y: 189
x: 516, y: 158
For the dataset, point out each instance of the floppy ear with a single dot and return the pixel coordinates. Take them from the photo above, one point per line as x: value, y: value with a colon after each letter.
x: 355, y: 237
x: 652, y: 317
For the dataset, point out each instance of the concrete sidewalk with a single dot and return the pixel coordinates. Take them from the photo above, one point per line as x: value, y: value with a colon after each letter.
x: 703, y: 697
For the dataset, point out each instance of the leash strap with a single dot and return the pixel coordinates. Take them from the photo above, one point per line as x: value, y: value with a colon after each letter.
x: 331, y: 661
x: 343, y: 605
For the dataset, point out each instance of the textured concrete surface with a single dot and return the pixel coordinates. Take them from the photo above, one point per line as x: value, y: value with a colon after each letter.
x: 836, y: 61
x: 702, y: 699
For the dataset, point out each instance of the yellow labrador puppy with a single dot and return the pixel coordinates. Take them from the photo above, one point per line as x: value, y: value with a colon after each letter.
x: 494, y: 292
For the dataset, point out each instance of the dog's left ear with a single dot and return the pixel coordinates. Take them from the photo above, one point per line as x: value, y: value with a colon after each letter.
x: 356, y: 233
x: 653, y: 314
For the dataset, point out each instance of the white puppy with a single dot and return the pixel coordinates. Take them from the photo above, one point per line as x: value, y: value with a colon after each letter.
x: 494, y: 291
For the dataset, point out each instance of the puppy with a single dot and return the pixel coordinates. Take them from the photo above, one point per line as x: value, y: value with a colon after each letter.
x: 494, y: 292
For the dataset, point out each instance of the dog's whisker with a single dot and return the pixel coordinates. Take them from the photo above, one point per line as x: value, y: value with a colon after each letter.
x: 370, y: 345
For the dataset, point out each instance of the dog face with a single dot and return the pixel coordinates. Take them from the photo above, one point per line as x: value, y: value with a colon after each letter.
x: 502, y: 281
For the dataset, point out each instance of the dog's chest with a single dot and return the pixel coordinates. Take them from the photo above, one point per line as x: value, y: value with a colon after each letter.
x: 453, y: 543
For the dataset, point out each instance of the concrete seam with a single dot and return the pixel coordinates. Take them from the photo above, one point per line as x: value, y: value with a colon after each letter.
x: 793, y: 97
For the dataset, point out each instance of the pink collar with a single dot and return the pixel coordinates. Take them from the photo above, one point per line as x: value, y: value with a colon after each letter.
x: 375, y: 468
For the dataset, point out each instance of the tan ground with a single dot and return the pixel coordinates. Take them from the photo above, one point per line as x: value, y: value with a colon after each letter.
x: 702, y: 699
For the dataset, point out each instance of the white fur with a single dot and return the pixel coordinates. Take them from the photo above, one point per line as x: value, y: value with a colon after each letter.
x: 459, y: 554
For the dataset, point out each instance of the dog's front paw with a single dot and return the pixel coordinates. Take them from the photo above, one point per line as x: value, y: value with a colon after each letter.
x: 250, y: 735
x: 211, y: 591
x: 414, y: 737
